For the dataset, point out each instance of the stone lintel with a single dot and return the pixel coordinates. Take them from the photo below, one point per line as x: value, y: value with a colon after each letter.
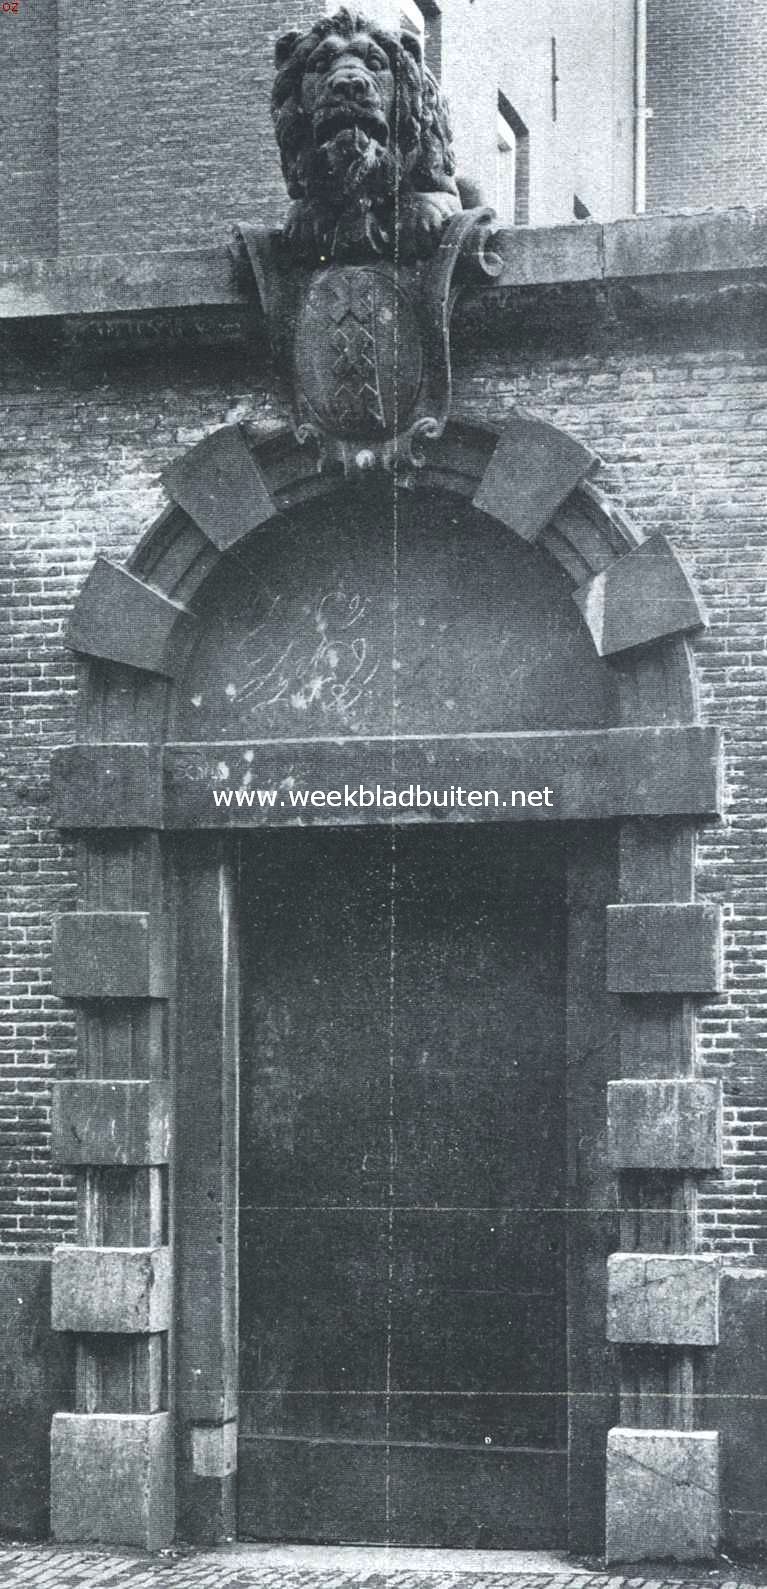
x: 114, y: 954
x: 663, y: 1299
x: 662, y: 1495
x: 214, y: 1450
x: 112, y: 1479
x: 120, y: 619
x: 642, y: 597
x: 664, y: 948
x: 671, y: 771
x: 111, y: 1290
x: 664, y: 1125
x: 107, y: 786
x: 110, y: 1122
x: 532, y: 472
x: 219, y: 484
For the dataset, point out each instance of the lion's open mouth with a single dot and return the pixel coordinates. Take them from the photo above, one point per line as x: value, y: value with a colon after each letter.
x: 349, y: 118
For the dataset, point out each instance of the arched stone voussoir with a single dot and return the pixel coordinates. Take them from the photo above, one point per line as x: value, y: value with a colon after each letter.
x: 534, y: 469
x: 220, y: 485
x: 120, y: 619
x: 644, y: 596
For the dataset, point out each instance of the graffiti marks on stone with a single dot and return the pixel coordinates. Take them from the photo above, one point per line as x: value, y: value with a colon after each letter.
x: 328, y: 664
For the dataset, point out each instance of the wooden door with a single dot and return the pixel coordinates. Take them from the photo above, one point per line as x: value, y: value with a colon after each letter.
x: 402, y: 1187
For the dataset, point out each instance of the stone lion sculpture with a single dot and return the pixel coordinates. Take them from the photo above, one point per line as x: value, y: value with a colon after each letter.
x: 365, y: 142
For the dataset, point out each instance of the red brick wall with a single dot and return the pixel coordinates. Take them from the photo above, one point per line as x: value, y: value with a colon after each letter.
x: 681, y: 429
x: 707, y: 86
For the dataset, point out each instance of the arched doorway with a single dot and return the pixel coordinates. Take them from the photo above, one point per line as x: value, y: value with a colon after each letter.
x: 285, y: 632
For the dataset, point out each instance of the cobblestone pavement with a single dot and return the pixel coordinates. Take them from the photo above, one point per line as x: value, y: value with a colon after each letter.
x: 41, y: 1567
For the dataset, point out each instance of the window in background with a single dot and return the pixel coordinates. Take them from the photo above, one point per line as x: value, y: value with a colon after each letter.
x: 423, y: 17
x: 513, y: 166
x: 412, y: 19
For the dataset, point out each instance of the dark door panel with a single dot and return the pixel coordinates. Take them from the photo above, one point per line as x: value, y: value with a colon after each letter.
x: 402, y: 1187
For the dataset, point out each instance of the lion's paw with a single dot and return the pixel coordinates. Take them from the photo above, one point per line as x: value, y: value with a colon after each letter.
x: 309, y: 230
x: 422, y: 221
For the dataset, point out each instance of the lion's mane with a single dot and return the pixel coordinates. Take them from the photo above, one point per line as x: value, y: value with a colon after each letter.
x: 420, y: 133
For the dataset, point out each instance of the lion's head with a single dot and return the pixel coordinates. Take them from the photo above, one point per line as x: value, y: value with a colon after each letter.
x: 359, y: 119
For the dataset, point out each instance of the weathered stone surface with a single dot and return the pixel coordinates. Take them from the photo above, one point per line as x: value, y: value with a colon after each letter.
x: 112, y: 1479
x: 110, y: 955
x: 617, y: 772
x: 660, y: 245
x: 186, y: 278
x: 533, y: 470
x: 220, y: 486
x: 110, y: 1122
x: 119, y: 618
x: 736, y: 1405
x: 663, y: 1299
x: 662, y: 1495
x: 664, y: 1125
x: 76, y: 284
x: 664, y: 948
x: 214, y: 1450
x: 532, y: 255
x: 206, y: 1228
x: 641, y: 597
x: 111, y: 1290
x: 107, y: 786
x: 37, y: 1375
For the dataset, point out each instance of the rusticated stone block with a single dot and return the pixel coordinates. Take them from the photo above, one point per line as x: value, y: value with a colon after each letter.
x: 112, y: 1479
x: 664, y: 1125
x: 110, y: 1122
x: 220, y: 486
x: 662, y: 1495
x: 110, y: 955
x: 532, y: 472
x: 641, y: 597
x: 111, y: 1290
x: 107, y: 786
x: 662, y: 1299
x: 119, y: 618
x: 214, y: 1450
x: 664, y: 948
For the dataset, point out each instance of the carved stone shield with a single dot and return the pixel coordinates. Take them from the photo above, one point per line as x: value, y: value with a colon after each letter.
x: 358, y: 353
x: 368, y: 344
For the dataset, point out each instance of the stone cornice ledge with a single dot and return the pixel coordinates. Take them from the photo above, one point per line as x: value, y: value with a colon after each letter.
x: 694, y: 243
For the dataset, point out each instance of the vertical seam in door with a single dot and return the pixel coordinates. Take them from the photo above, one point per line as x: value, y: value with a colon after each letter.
x: 393, y: 872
